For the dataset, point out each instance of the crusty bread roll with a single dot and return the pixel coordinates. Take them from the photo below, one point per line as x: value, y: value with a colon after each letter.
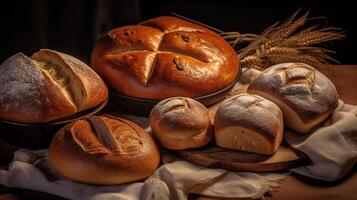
x: 48, y: 86
x: 249, y: 123
x: 181, y: 123
x: 164, y: 57
x: 305, y: 96
x: 103, y: 150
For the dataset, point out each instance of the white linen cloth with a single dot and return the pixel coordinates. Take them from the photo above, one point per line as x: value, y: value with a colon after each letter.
x: 332, y: 147
x: 30, y: 170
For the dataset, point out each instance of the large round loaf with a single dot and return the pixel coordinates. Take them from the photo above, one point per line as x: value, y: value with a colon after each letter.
x: 48, y: 86
x: 305, y: 96
x: 164, y: 57
x: 103, y: 150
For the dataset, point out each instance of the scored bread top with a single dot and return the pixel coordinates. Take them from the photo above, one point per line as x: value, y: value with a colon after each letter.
x: 83, y: 86
x: 300, y: 86
x: 49, y: 86
x: 103, y: 150
x: 25, y: 92
x: 181, y: 123
x: 107, y: 135
x: 251, y: 112
x: 164, y: 57
x: 180, y: 114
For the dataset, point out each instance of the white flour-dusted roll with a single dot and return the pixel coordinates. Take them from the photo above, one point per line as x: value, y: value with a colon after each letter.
x: 249, y: 123
x: 305, y: 96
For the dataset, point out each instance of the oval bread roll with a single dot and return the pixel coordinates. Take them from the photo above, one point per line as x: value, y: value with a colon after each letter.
x: 305, y: 96
x: 181, y: 123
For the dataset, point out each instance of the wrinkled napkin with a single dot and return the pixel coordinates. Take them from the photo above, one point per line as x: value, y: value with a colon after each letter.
x: 332, y: 147
x: 174, y: 180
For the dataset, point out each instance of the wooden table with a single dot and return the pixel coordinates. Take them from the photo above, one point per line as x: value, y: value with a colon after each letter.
x: 294, y: 186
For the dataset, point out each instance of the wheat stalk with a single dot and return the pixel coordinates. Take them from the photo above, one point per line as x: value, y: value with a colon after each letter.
x: 235, y: 38
x: 289, y: 41
x: 314, y: 37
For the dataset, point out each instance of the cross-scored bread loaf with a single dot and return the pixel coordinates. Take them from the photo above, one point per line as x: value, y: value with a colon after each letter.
x: 164, y: 57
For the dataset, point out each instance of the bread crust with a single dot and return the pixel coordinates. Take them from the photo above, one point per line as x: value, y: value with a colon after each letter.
x: 181, y: 123
x: 250, y: 123
x: 124, y: 154
x: 310, y: 95
x: 164, y: 57
x: 48, y: 86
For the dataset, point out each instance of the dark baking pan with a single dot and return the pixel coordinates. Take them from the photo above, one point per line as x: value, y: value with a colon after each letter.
x: 36, y: 136
x: 142, y: 107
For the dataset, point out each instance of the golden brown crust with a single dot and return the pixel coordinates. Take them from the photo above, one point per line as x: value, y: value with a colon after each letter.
x: 125, y: 153
x: 170, y: 24
x: 164, y: 57
x: 181, y: 123
x: 299, y: 86
x: 48, y: 86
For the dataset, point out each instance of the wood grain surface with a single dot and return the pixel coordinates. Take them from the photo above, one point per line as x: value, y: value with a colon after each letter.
x: 212, y: 156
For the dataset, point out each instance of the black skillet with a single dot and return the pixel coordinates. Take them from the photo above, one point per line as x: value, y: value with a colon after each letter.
x: 35, y: 136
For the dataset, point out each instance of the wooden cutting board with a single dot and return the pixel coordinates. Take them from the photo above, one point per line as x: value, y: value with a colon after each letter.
x: 213, y: 156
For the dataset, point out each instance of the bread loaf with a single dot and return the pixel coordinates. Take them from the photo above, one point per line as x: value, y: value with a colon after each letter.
x: 305, y: 96
x: 181, y: 123
x: 164, y: 57
x: 103, y: 150
x: 249, y: 123
x: 48, y: 86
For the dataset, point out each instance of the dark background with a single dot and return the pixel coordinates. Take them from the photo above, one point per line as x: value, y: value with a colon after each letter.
x: 73, y: 26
